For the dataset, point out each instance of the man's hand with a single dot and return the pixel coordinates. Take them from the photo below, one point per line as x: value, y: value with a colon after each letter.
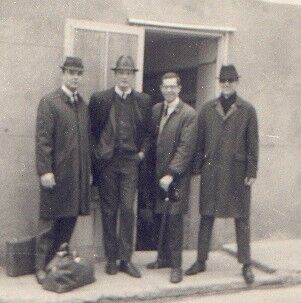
x: 141, y: 155
x: 249, y: 181
x: 48, y: 180
x: 165, y: 182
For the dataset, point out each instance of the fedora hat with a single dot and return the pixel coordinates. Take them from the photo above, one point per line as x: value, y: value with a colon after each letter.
x: 228, y: 72
x: 125, y: 63
x: 73, y: 63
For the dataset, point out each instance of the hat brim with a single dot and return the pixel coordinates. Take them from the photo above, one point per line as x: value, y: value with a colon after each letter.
x: 230, y: 78
x: 72, y: 67
x: 129, y: 69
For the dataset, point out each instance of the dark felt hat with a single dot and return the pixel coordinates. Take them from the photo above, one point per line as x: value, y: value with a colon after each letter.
x: 125, y: 63
x: 73, y: 63
x: 228, y: 72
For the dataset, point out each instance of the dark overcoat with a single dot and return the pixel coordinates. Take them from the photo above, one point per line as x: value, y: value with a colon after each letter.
x: 175, y: 150
x: 99, y: 108
x: 227, y: 153
x: 63, y: 148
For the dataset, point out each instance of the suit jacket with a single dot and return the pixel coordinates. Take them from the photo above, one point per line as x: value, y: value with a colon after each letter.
x: 175, y: 150
x: 99, y: 109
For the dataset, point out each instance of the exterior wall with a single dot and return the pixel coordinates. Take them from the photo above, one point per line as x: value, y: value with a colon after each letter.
x: 265, y: 48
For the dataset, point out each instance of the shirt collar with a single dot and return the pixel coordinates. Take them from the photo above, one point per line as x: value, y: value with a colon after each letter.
x: 172, y: 105
x: 121, y: 93
x: 68, y: 92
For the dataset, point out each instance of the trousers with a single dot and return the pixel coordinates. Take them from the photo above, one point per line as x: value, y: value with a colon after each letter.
x: 117, y: 190
x: 242, y: 228
x: 52, y: 233
x: 172, y: 245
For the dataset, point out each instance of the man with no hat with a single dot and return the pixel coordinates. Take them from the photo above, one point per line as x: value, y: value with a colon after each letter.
x: 63, y: 163
x: 120, y: 129
x: 175, y: 129
x: 227, y: 156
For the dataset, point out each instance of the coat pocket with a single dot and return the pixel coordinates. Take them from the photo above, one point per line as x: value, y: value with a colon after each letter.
x: 239, y: 171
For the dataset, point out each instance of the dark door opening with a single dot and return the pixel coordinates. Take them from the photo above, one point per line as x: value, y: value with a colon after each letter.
x: 194, y: 58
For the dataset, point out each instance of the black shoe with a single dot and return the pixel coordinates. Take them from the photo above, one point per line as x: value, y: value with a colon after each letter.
x: 248, y: 273
x: 195, y: 268
x: 130, y: 269
x: 176, y: 275
x: 41, y: 276
x: 111, y: 268
x: 158, y: 264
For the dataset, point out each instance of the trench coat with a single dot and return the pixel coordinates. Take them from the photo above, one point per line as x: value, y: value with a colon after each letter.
x: 227, y: 153
x: 63, y: 148
x: 174, y: 152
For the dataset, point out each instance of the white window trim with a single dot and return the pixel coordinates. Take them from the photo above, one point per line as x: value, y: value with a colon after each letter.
x: 73, y: 24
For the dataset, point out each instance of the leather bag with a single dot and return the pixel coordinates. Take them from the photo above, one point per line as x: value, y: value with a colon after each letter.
x: 67, y: 271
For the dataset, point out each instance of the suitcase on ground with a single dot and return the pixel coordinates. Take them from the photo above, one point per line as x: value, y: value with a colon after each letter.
x: 20, y: 256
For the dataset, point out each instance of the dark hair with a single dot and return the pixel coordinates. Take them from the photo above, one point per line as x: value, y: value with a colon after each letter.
x: 171, y: 75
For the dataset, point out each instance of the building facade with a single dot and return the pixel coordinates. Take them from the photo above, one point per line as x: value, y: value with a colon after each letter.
x: 192, y: 37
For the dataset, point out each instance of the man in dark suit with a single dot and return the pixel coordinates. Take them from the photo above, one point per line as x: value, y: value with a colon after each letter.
x: 63, y: 163
x: 120, y: 119
x: 227, y: 155
x: 174, y: 124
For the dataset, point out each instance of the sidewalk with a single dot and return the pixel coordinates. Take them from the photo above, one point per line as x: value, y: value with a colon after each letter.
x: 277, y: 263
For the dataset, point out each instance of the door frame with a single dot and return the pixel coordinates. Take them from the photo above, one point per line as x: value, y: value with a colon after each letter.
x: 221, y: 33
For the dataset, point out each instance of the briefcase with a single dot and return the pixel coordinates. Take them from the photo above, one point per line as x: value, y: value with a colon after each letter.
x: 20, y: 256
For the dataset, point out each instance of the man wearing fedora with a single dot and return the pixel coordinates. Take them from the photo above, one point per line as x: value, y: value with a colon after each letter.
x: 63, y: 163
x: 227, y: 156
x: 120, y: 130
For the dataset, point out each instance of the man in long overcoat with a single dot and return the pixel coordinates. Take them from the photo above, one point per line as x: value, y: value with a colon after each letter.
x: 227, y: 155
x: 120, y: 128
x: 174, y: 124
x: 63, y: 163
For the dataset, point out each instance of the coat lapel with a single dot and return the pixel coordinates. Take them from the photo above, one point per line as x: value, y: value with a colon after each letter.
x: 234, y: 107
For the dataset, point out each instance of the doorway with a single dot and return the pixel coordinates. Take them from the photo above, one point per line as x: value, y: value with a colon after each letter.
x: 194, y: 58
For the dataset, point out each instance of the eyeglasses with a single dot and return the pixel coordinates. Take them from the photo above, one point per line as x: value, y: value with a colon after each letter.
x: 169, y: 86
x: 227, y: 80
x: 74, y: 72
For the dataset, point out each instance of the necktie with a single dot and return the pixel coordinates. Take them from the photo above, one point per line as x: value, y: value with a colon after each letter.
x: 75, y: 98
x: 166, y: 111
x: 123, y: 96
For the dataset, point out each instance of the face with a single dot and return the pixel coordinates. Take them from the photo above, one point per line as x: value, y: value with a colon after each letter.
x: 228, y: 87
x: 72, y: 78
x: 124, y: 79
x: 170, y: 89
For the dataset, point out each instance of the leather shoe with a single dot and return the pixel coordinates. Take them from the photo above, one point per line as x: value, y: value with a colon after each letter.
x: 157, y: 264
x: 130, y: 269
x: 248, y: 274
x: 195, y: 268
x: 111, y: 268
x: 176, y: 275
x: 41, y: 276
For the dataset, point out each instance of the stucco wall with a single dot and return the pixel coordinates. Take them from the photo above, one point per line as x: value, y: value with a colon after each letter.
x: 266, y: 49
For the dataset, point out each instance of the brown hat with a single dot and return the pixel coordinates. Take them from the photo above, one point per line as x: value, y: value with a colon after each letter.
x: 125, y: 63
x: 73, y: 63
x: 228, y: 72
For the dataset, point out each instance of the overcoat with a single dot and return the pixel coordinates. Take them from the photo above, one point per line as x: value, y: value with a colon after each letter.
x: 174, y: 152
x: 227, y: 153
x: 99, y: 109
x: 63, y: 148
